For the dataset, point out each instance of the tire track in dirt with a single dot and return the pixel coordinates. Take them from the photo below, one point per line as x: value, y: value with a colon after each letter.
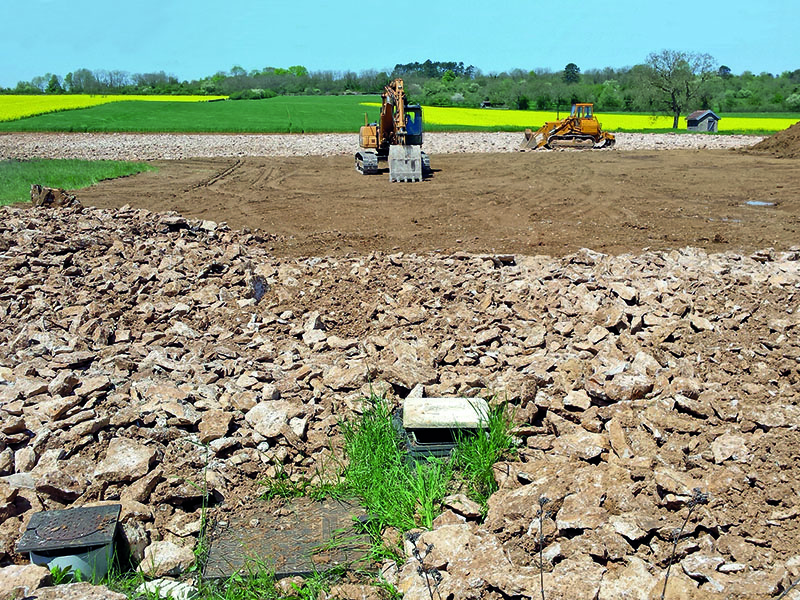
x: 219, y: 176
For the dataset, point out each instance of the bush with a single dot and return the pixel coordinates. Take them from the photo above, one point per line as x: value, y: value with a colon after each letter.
x: 793, y: 101
x: 253, y: 94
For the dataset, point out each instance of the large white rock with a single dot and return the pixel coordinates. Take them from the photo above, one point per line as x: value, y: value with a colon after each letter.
x: 125, y: 460
x: 20, y: 581
x: 165, y: 559
x: 268, y: 418
x: 168, y: 588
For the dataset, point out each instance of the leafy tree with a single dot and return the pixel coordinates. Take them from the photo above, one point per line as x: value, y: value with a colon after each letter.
x: 572, y: 73
x: 26, y: 87
x: 676, y: 78
x: 724, y: 72
x: 793, y: 101
x: 610, y: 98
x: 54, y: 86
x: 84, y: 82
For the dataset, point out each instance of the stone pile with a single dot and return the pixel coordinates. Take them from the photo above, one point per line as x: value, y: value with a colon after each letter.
x: 169, y: 146
x: 148, y: 360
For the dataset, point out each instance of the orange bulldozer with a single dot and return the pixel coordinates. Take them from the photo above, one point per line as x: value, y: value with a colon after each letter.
x: 580, y: 129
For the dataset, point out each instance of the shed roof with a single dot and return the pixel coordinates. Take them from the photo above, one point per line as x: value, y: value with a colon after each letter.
x: 699, y: 115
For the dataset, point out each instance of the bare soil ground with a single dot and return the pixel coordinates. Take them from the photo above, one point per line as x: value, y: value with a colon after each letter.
x: 533, y: 203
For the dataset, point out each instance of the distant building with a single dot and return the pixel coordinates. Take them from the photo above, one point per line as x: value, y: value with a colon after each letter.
x: 702, y: 120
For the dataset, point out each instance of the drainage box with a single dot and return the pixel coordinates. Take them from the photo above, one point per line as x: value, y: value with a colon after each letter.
x: 75, y: 539
x: 431, y: 427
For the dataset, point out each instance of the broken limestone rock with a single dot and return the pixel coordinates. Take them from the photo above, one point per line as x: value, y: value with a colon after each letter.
x: 22, y: 581
x: 166, y: 559
x: 125, y: 460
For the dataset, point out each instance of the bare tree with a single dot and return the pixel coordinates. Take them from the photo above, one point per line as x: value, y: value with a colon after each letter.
x: 676, y: 78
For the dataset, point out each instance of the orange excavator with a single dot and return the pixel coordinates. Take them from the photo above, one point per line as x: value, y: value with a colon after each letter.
x: 580, y: 129
x: 396, y: 137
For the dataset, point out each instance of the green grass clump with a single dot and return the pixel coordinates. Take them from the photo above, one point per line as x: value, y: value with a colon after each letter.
x: 17, y: 176
x: 406, y: 494
x: 475, y: 455
x: 395, y: 492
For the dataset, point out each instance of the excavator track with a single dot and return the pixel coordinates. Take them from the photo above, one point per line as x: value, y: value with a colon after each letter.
x: 426, y: 164
x: 367, y: 162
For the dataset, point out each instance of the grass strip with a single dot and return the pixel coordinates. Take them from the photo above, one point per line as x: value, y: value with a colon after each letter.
x: 17, y: 176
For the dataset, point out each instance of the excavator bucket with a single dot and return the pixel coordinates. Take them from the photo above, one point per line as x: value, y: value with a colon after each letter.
x: 405, y: 163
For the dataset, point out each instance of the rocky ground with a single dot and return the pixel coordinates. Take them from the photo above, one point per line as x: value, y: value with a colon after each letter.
x: 122, y: 146
x: 144, y: 353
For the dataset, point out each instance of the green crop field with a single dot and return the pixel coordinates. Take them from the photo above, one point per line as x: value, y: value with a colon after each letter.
x: 328, y: 114
x: 16, y: 176
x: 284, y: 114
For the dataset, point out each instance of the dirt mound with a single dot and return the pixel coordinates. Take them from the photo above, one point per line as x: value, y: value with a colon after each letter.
x: 143, y: 353
x: 784, y: 144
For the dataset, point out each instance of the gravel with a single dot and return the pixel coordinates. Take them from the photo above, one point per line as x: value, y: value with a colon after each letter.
x: 127, y: 146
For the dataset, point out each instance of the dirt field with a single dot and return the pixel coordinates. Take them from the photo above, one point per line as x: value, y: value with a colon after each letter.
x: 534, y: 203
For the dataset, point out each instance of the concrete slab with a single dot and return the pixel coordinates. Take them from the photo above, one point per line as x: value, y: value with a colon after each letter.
x: 299, y: 538
x: 445, y: 413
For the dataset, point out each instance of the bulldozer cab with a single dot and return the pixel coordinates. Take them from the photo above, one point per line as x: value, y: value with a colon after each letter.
x: 582, y: 111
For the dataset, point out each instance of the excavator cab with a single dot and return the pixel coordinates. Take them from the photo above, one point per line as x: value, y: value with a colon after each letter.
x: 414, y: 124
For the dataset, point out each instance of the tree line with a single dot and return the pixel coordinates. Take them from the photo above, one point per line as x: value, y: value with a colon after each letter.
x: 670, y: 82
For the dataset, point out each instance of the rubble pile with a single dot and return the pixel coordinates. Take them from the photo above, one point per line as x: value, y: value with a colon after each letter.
x: 148, y: 359
x: 783, y: 144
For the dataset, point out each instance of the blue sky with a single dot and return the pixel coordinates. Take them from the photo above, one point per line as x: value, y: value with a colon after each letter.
x: 194, y: 38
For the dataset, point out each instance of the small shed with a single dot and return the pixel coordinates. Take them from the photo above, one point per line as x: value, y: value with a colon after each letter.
x: 702, y: 120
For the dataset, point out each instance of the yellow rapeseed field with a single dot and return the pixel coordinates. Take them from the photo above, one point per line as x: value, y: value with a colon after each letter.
x: 20, y: 106
x: 533, y: 119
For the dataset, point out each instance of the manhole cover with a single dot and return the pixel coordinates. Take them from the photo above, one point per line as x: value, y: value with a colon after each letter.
x: 301, y: 537
x: 71, y: 528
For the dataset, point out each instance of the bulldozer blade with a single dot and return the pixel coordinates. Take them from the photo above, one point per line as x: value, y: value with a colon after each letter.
x: 532, y: 140
x: 405, y: 163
